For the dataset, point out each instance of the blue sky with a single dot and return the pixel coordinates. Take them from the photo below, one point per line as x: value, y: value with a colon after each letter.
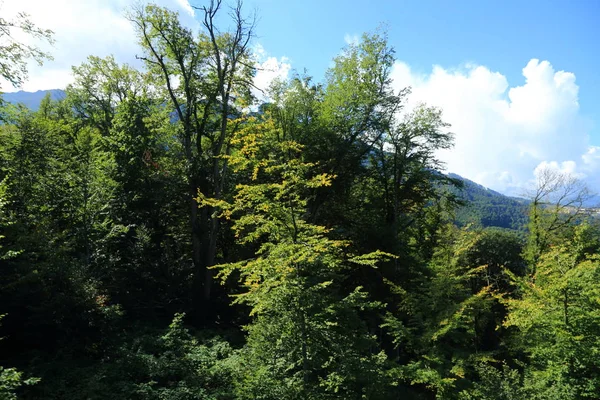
x: 518, y: 80
x: 502, y: 35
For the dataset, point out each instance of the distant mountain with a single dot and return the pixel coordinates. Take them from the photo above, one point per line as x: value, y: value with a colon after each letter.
x: 486, y: 207
x: 32, y: 99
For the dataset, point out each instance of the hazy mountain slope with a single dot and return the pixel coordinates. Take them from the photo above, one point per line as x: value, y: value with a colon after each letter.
x: 487, y: 207
x: 32, y: 99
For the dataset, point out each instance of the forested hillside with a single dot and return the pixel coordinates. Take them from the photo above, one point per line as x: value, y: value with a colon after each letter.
x: 165, y: 235
x: 487, y: 208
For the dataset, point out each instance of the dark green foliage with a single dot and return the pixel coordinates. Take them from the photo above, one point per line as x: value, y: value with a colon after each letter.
x: 10, y: 378
x: 144, y: 364
x: 307, y: 339
x: 486, y: 208
x: 496, y: 383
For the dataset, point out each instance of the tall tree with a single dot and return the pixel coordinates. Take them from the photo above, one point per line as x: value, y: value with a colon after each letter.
x: 100, y: 86
x: 203, y: 78
x: 14, y: 56
x: 308, y: 339
x: 352, y: 112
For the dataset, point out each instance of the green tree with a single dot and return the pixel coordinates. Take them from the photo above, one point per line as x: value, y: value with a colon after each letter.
x: 557, y: 319
x: 10, y: 378
x: 100, y: 86
x: 496, y: 383
x: 57, y: 189
x: 355, y: 109
x: 146, y: 218
x: 307, y: 338
x: 408, y: 171
x: 204, y: 78
x: 440, y: 340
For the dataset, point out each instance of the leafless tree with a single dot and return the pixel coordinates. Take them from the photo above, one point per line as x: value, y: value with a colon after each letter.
x: 558, y: 201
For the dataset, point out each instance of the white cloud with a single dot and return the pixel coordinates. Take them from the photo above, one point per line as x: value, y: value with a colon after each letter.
x: 565, y: 167
x: 186, y: 6
x: 590, y: 167
x: 82, y: 28
x: 591, y: 159
x: 268, y: 70
x: 503, y: 133
x: 100, y: 28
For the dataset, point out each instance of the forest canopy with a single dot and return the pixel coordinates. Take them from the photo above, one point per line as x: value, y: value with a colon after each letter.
x: 164, y: 234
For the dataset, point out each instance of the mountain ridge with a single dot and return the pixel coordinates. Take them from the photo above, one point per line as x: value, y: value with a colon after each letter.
x: 32, y: 100
x: 488, y: 208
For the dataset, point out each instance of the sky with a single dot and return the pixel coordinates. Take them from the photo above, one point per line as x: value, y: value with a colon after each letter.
x: 517, y: 80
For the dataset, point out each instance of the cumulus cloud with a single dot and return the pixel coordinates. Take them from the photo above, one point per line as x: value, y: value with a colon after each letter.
x: 269, y: 69
x: 566, y: 167
x: 82, y: 28
x: 503, y: 133
x: 100, y: 28
x: 186, y: 6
